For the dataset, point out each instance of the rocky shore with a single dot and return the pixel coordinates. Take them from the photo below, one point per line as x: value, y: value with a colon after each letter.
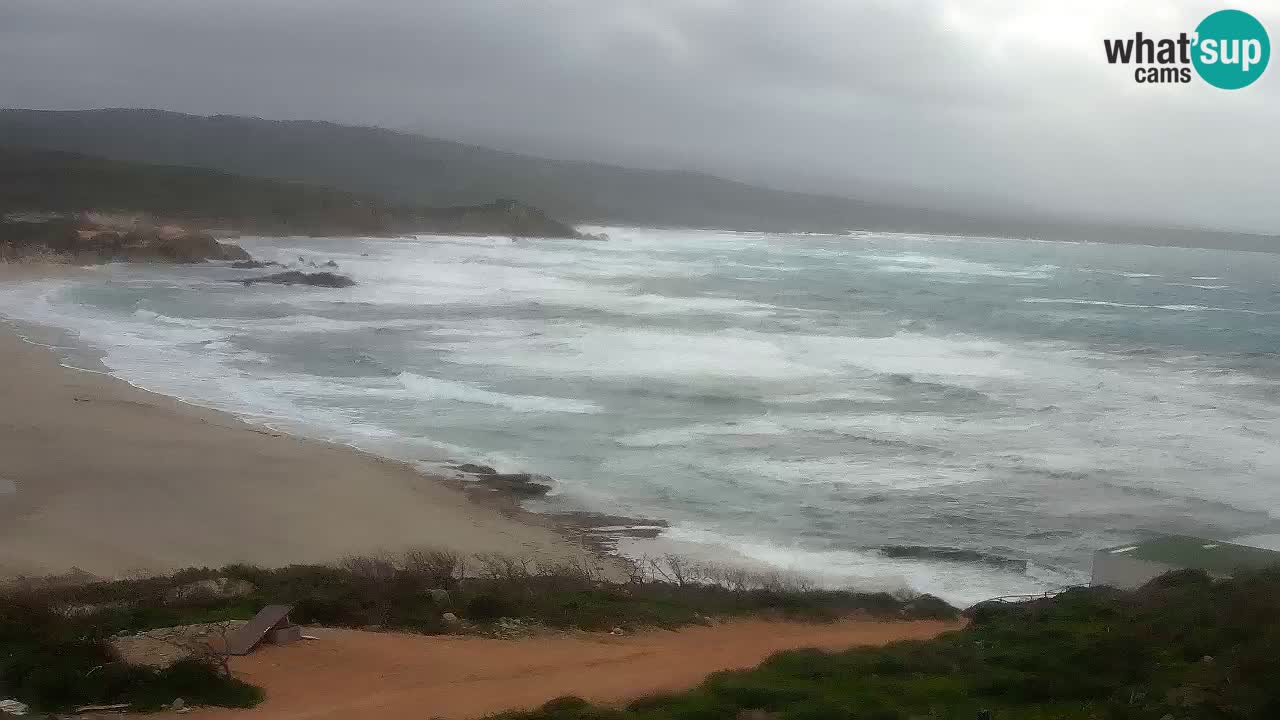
x: 90, y: 239
x: 509, y: 491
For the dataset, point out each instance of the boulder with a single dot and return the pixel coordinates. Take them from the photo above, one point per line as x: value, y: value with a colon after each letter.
x: 450, y: 619
x: 475, y: 469
x: 149, y: 244
x: 252, y: 264
x: 440, y: 596
x: 221, y: 588
x: 518, y: 484
x: 294, y: 277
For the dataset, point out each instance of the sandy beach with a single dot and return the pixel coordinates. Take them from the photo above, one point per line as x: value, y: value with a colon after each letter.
x: 100, y: 476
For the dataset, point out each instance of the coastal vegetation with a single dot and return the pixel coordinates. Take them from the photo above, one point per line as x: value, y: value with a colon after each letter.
x: 56, y: 660
x: 1184, y: 647
x: 42, y: 181
x: 56, y: 635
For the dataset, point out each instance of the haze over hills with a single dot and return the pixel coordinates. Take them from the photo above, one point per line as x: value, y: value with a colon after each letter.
x: 413, y: 169
x: 42, y: 181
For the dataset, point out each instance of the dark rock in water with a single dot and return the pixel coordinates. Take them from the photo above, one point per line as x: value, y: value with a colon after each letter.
x: 293, y: 277
x: 952, y: 554
x: 331, y: 264
x: 519, y: 484
x: 252, y: 264
x: 606, y: 528
x: 514, y: 484
x: 475, y: 469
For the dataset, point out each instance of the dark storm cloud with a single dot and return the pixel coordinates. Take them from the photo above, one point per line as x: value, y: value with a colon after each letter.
x: 1008, y: 102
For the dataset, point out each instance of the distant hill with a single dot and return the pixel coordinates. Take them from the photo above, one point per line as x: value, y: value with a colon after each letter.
x: 61, y: 182
x: 407, y: 168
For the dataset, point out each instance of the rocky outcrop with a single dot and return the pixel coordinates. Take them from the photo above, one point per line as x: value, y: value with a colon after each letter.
x: 82, y: 241
x: 294, y: 277
x: 517, y: 484
x: 960, y: 555
x: 152, y: 245
x: 220, y: 588
x: 501, y: 217
x: 253, y: 264
x: 520, y: 485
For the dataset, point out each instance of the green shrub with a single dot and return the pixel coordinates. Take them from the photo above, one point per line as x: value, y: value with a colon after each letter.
x: 1184, y: 647
x: 489, y: 606
x: 54, y: 662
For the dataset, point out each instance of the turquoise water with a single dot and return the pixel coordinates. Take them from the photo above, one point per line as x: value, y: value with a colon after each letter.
x: 800, y: 401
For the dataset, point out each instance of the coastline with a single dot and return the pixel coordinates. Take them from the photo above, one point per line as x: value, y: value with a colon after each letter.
x: 101, y: 477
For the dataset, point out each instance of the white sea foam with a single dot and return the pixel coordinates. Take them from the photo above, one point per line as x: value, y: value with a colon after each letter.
x: 729, y: 354
x: 689, y: 434
x: 643, y: 377
x: 428, y: 388
x: 960, y: 583
x: 916, y: 263
x: 1105, y: 303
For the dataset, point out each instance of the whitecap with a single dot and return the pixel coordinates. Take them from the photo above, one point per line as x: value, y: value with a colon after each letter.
x: 429, y: 388
x: 959, y: 583
x: 916, y: 263
x: 1175, y: 307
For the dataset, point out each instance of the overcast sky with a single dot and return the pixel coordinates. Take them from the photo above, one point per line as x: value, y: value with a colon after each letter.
x: 999, y: 102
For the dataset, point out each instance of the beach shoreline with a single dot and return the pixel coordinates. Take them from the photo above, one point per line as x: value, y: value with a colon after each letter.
x: 101, y: 477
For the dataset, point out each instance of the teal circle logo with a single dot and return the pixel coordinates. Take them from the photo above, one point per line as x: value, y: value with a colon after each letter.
x: 1232, y: 49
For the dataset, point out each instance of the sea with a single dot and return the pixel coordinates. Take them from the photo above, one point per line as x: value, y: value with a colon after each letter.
x: 968, y: 417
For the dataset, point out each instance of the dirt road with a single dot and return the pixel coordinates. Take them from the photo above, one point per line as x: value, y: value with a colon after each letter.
x: 350, y: 675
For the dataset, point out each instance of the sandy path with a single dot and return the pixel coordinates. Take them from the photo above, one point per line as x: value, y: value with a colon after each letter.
x: 350, y: 675
x: 99, y: 475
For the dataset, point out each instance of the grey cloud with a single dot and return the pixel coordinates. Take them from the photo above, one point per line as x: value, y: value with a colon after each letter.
x: 1008, y: 102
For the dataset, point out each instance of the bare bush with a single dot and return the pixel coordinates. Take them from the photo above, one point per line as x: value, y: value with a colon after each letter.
x: 439, y: 568
x: 505, y: 568
x: 371, y: 567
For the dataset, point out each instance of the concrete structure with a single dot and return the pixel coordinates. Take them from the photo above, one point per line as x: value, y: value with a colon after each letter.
x: 285, y: 635
x: 1133, y: 565
x: 271, y: 624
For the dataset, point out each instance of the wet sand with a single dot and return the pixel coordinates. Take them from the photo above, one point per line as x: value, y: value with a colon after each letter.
x: 103, y: 477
